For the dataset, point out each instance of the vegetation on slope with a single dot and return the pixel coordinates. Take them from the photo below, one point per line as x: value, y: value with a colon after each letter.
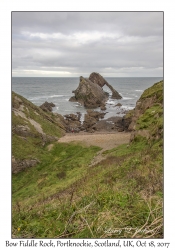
x: 120, y: 197
x: 32, y: 128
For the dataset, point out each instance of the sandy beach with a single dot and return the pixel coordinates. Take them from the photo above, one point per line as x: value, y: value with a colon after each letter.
x: 104, y: 140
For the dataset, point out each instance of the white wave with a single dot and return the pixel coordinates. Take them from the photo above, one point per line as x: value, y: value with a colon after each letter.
x: 127, y: 107
x: 110, y: 102
x: 38, y: 97
x: 139, y: 90
x: 56, y: 96
x: 127, y: 98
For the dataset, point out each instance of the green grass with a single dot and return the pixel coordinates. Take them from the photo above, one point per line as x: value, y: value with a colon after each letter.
x: 156, y: 89
x: 45, y: 178
x: 48, y: 127
x: 31, y: 146
x: 123, y: 191
x: 137, y: 145
x: 151, y: 117
x: 26, y: 148
x: 63, y: 197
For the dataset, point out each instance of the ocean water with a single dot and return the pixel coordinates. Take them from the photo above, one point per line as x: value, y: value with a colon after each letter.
x: 59, y: 90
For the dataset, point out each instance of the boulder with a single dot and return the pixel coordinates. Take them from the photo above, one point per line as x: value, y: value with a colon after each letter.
x: 73, y: 123
x: 71, y: 117
x: 20, y: 165
x: 91, y: 119
x: 103, y: 107
x: 22, y: 130
x: 95, y: 114
x: 47, y: 106
x: 118, y: 105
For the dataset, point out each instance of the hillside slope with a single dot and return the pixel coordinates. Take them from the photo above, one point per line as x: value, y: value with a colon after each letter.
x: 63, y: 196
x: 32, y: 129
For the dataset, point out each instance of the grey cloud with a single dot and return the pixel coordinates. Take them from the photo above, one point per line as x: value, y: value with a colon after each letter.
x: 90, y: 41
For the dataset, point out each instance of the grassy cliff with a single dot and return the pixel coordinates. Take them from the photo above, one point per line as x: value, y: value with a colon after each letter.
x: 120, y: 197
x: 32, y: 130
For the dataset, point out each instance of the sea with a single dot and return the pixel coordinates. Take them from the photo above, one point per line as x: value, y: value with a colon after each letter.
x: 58, y: 91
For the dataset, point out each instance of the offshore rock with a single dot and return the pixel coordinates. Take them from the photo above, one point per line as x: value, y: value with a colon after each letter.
x: 98, y: 79
x: 47, y: 106
x: 90, y: 93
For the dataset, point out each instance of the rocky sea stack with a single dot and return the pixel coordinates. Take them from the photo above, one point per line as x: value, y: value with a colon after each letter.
x: 90, y: 91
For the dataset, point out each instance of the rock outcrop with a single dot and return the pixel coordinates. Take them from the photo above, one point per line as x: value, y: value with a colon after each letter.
x: 47, y: 106
x: 20, y: 165
x: 146, y: 119
x: 98, y: 79
x: 73, y: 123
x: 90, y: 93
x: 91, y: 119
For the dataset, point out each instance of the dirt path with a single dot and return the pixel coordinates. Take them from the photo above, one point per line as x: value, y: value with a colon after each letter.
x: 104, y: 140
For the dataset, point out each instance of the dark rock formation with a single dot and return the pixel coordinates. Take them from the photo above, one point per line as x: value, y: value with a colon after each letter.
x: 72, y: 122
x: 95, y: 114
x: 90, y: 93
x: 98, y: 79
x: 118, y: 105
x: 91, y: 119
x: 103, y: 107
x: 123, y: 123
x: 115, y: 94
x: 47, y: 106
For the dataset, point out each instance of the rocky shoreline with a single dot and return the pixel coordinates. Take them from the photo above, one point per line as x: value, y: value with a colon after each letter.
x: 34, y: 127
x: 93, y: 122
x: 90, y: 94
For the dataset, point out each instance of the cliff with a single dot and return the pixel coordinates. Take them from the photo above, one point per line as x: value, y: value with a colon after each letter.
x: 146, y: 119
x: 32, y: 129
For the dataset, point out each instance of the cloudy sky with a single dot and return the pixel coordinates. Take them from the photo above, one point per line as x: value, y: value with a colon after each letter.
x: 70, y: 44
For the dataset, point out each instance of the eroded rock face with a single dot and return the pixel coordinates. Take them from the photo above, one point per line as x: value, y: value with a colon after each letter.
x: 90, y: 93
x: 47, y: 106
x: 98, y: 79
x: 20, y: 165
x: 22, y: 130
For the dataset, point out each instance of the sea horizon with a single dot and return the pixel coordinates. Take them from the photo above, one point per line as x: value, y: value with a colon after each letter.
x: 58, y: 90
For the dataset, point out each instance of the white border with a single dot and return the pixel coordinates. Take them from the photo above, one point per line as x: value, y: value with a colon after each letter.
x: 6, y: 6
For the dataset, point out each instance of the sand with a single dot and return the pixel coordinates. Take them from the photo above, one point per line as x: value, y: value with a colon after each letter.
x: 104, y: 140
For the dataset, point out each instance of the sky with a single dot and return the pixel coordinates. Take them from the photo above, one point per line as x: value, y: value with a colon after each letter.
x: 71, y: 44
